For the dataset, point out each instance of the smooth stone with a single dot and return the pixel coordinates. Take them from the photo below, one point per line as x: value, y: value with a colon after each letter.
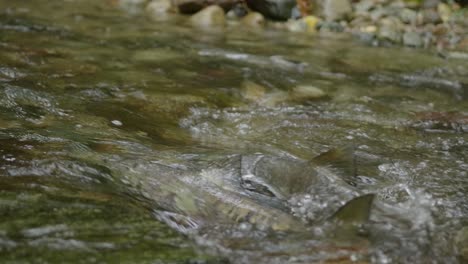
x: 409, y: 16
x: 334, y: 10
x: 431, y: 16
x: 159, y: 9
x: 210, y: 16
x: 444, y: 12
x: 364, y: 6
x: 306, y: 92
x: 412, y: 39
x: 253, y: 20
x: 390, y: 30
x: 253, y: 91
x: 273, y: 9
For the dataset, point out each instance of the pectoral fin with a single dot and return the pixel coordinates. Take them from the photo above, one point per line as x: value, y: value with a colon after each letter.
x: 356, y: 211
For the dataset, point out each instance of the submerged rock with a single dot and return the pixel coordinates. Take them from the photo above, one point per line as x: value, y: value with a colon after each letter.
x: 211, y: 16
x: 306, y: 92
x: 274, y: 9
x: 253, y: 91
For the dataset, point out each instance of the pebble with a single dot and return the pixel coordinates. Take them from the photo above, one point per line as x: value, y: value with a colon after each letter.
x: 209, y: 17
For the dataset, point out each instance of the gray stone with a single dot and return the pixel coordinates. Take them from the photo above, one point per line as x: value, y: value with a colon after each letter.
x: 409, y: 16
x: 412, y: 39
x: 364, y: 6
x: 431, y: 16
x: 334, y: 10
x: 390, y: 30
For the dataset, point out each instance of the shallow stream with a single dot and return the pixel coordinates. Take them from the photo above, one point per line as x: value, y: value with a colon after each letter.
x: 125, y: 140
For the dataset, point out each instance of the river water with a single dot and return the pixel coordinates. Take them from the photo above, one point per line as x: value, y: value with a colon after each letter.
x: 125, y: 140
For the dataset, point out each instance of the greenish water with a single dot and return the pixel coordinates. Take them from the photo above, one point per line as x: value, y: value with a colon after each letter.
x: 125, y: 140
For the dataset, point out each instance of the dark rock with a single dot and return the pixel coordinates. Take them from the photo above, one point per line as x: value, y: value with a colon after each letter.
x: 274, y: 9
x: 193, y: 6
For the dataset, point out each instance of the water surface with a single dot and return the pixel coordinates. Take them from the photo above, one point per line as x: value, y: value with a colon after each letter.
x: 121, y: 140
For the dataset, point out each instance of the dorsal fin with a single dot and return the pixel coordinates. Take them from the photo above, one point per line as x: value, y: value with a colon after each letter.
x: 356, y: 211
x: 342, y: 160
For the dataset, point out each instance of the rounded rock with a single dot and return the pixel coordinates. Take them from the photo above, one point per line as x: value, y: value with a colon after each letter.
x: 210, y: 16
x: 412, y: 39
x: 274, y: 9
x: 334, y: 10
x: 306, y: 92
x: 253, y: 20
x: 159, y: 9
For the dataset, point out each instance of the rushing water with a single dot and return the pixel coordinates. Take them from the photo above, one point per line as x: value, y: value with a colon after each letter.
x: 133, y: 141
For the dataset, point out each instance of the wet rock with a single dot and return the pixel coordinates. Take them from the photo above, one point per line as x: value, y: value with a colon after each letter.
x: 159, y: 9
x: 253, y: 91
x: 193, y: 6
x: 209, y: 17
x: 334, y: 10
x: 253, y: 20
x: 274, y: 9
x: 412, y: 39
x: 390, y: 30
x: 306, y: 92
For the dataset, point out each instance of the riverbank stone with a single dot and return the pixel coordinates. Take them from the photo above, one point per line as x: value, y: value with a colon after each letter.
x: 334, y: 10
x: 253, y: 20
x: 209, y: 17
x: 412, y: 39
x: 306, y: 92
x: 273, y: 9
